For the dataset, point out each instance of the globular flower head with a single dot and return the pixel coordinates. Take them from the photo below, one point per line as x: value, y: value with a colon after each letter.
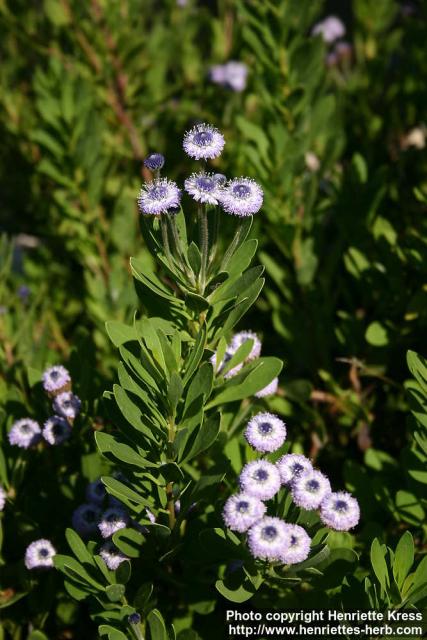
x: 134, y: 618
x: 203, y: 187
x: 2, y: 498
x: 241, y: 511
x: 112, y: 520
x: 309, y: 490
x: 112, y: 556
x: 25, y: 433
x: 154, y: 161
x: 331, y: 28
x: 265, y: 432
x: 269, y: 390
x: 203, y: 142
x: 159, y: 196
x: 39, y: 554
x: 242, y: 197
x: 56, y: 430
x: 232, y: 74
x: 67, y: 405
x: 267, y: 539
x: 260, y: 479
x: 298, y: 544
x: 96, y: 492
x: 340, y: 511
x: 243, y: 336
x: 85, y: 519
x: 56, y: 379
x: 291, y: 466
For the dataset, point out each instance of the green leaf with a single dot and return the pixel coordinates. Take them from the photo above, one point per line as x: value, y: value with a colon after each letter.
x: 237, y: 587
x: 175, y: 389
x: 120, y: 333
x: 377, y: 335
x: 195, y: 355
x: 129, y: 541
x: 107, y: 444
x: 115, y: 592
x: 56, y: 12
x: 417, y: 365
x: 379, y: 565
x: 111, y: 632
x: 409, y: 508
x: 403, y: 558
x: 205, y: 437
x: 75, y: 571
x: 157, y: 625
x: 78, y: 547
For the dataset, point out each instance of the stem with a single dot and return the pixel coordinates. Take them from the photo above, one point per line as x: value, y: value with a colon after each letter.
x: 169, y: 486
x: 204, y: 244
x: 231, y: 249
x: 214, y: 243
x: 178, y: 248
x: 165, y: 237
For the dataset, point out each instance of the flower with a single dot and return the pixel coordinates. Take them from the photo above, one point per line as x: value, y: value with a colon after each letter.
x: 260, y: 479
x: 158, y: 197
x: 25, y: 433
x: 269, y: 390
x: 298, y: 544
x: 96, y: 492
x: 291, y: 466
x: 331, y: 28
x: 56, y: 379
x: 67, y: 405
x: 3, y: 497
x: 242, y: 197
x: 85, y: 519
x: 39, y: 554
x: 232, y: 75
x: 265, y: 432
x: 56, y: 430
x: 135, y: 618
x: 243, y: 336
x: 203, y: 187
x: 267, y: 539
x: 112, y: 520
x: 220, y: 178
x: 310, y: 488
x: 24, y: 292
x: 241, y: 511
x: 154, y: 161
x: 340, y: 511
x: 203, y: 142
x: 112, y: 556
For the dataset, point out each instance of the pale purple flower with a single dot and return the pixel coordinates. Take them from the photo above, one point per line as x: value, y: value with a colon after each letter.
x: 242, y: 197
x: 218, y: 75
x: 154, y: 161
x: 265, y: 432
x: 3, y: 497
x: 85, y: 519
x: 243, y: 336
x: 269, y: 390
x: 67, y: 405
x: 267, y: 539
x: 55, y: 379
x: 158, y: 196
x: 241, y: 511
x: 150, y: 515
x: 96, y: 492
x: 260, y: 479
x: 331, y: 29
x: 291, y: 466
x: 232, y: 74
x: 203, y: 187
x: 24, y: 292
x: 39, y: 554
x: 340, y: 511
x: 25, y: 433
x: 56, y: 430
x: 112, y: 556
x: 310, y: 489
x: 203, y: 142
x: 112, y: 520
x: 220, y: 179
x: 298, y: 544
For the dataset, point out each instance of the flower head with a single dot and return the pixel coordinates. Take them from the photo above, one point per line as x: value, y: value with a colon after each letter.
x: 25, y: 433
x: 203, y: 187
x: 242, y: 197
x: 241, y: 338
x: 269, y: 390
x: 298, y: 544
x: 241, y: 511
x: 112, y: 556
x: 267, y: 539
x: 340, y: 511
x: 220, y: 179
x: 260, y: 479
x: 39, y: 554
x: 134, y: 618
x: 158, y: 196
x: 203, y: 142
x: 85, y: 519
x: 67, y: 405
x: 310, y: 489
x: 265, y: 432
x: 96, y: 492
x: 112, y: 520
x: 2, y: 498
x: 331, y: 28
x: 56, y: 379
x: 154, y: 161
x: 291, y: 466
x: 56, y: 430
x: 232, y: 75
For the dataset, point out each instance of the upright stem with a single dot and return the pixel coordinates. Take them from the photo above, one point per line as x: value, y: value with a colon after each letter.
x: 204, y: 244
x: 169, y: 486
x: 165, y: 237
x: 231, y: 249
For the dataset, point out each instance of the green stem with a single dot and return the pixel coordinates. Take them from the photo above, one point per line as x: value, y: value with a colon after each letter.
x: 232, y: 247
x: 165, y: 237
x: 169, y: 486
x: 204, y: 245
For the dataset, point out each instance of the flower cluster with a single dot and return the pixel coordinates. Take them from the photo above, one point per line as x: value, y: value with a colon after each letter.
x: 232, y: 75
x: 26, y: 433
x: 239, y: 197
x: 332, y: 30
